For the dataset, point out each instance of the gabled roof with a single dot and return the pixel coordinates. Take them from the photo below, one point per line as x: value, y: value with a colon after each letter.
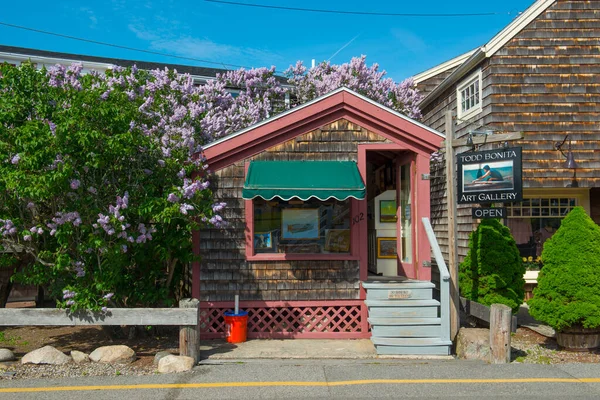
x: 339, y: 104
x: 443, y: 67
x: 490, y: 48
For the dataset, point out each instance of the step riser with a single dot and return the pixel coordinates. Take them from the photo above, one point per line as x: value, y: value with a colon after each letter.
x: 406, y: 331
x: 383, y: 321
x: 399, y: 295
x: 413, y: 350
x: 398, y: 285
x: 403, y: 312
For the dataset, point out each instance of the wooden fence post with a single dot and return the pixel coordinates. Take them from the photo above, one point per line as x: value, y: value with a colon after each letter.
x: 189, y: 335
x: 500, y: 322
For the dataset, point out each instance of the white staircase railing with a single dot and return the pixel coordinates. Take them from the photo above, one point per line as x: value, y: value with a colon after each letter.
x: 444, y: 280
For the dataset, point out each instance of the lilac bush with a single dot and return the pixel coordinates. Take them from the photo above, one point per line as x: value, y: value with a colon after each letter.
x: 356, y: 75
x: 100, y: 185
x: 102, y: 178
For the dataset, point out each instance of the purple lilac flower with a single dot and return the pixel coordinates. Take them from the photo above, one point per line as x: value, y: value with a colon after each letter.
x: 104, y: 309
x: 161, y: 163
x: 75, y: 184
x: 218, y: 206
x: 15, y: 160
x: 108, y: 296
x: 68, y: 294
x: 172, y: 198
x: 70, y: 302
x: 185, y: 207
x: 62, y: 218
x: 79, y: 269
x: 27, y: 238
x: 7, y: 228
x: 52, y: 127
x: 92, y: 190
x: 30, y: 205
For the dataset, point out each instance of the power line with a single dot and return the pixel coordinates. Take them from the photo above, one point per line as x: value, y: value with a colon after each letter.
x: 380, y: 14
x: 119, y: 46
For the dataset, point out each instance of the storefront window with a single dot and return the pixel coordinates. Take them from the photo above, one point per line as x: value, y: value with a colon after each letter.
x: 534, y: 220
x: 301, y: 227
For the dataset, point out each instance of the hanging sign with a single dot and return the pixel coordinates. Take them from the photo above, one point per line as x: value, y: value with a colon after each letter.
x: 487, y: 213
x: 492, y: 176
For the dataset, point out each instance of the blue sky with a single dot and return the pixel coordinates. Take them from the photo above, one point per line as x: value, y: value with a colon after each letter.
x: 256, y: 37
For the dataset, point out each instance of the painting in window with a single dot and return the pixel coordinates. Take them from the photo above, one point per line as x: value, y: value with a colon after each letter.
x: 301, y: 227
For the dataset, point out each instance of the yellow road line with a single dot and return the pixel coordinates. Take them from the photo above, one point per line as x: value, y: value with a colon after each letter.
x: 293, y: 383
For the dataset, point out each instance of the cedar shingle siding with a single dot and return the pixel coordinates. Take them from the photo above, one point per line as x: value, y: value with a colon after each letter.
x: 544, y: 82
x: 224, y: 269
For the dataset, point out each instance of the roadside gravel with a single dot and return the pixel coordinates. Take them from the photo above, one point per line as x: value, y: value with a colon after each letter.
x: 19, y: 371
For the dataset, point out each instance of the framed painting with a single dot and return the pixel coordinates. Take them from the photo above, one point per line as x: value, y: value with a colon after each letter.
x: 300, y: 223
x: 337, y: 240
x: 386, y: 247
x: 263, y: 240
x: 387, y: 211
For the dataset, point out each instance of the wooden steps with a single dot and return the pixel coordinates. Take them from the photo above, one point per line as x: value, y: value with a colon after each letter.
x: 405, y: 319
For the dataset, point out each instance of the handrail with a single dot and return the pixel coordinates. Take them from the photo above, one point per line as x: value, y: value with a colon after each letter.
x: 444, y: 279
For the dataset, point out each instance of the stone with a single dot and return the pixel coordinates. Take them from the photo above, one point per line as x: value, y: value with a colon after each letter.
x: 79, y: 357
x: 160, y: 355
x: 6, y: 355
x: 46, y: 355
x: 119, y: 354
x: 473, y: 344
x: 170, y: 364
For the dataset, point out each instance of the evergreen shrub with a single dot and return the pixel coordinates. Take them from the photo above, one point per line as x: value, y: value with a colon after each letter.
x: 492, y: 272
x: 568, y: 291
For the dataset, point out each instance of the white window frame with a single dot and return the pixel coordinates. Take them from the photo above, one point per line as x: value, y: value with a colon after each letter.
x: 473, y: 80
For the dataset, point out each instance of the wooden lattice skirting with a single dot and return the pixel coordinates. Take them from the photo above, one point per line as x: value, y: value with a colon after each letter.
x: 334, y: 319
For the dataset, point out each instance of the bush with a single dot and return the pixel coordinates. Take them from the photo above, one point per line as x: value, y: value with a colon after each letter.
x: 492, y: 272
x: 568, y: 291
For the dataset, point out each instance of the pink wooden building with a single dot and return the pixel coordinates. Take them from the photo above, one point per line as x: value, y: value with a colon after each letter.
x: 325, y: 202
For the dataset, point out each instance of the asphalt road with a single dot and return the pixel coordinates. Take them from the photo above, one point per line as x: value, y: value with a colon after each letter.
x: 347, y: 379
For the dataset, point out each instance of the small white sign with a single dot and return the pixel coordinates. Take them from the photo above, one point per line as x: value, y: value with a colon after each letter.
x: 399, y: 294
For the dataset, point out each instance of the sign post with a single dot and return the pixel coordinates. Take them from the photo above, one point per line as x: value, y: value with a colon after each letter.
x: 452, y: 242
x: 451, y: 199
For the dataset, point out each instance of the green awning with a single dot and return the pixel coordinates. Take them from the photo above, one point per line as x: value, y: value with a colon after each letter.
x: 303, y: 179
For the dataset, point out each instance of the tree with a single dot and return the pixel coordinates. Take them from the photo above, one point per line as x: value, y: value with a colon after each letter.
x: 356, y: 75
x: 568, y: 291
x: 101, y: 177
x: 492, y: 272
x: 95, y: 181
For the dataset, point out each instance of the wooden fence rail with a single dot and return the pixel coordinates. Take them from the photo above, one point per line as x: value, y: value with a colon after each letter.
x: 482, y: 312
x: 186, y: 317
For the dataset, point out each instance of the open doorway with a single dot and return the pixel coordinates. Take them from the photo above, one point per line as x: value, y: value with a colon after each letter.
x: 389, y: 209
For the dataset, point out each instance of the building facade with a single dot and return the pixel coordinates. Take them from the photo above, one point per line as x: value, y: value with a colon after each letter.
x: 538, y: 76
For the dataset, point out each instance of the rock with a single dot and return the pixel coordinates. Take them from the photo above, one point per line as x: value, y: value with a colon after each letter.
x: 170, y: 364
x: 473, y: 344
x: 45, y: 355
x: 119, y: 354
x: 79, y: 357
x: 160, y: 355
x: 6, y: 355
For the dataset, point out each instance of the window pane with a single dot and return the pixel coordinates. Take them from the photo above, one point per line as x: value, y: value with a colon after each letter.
x: 310, y: 227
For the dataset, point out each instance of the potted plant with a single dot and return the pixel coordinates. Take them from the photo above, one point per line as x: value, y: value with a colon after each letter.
x: 492, y: 272
x: 567, y: 296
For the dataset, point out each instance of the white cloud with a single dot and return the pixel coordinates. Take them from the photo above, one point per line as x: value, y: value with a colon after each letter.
x: 90, y: 15
x: 165, y: 39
